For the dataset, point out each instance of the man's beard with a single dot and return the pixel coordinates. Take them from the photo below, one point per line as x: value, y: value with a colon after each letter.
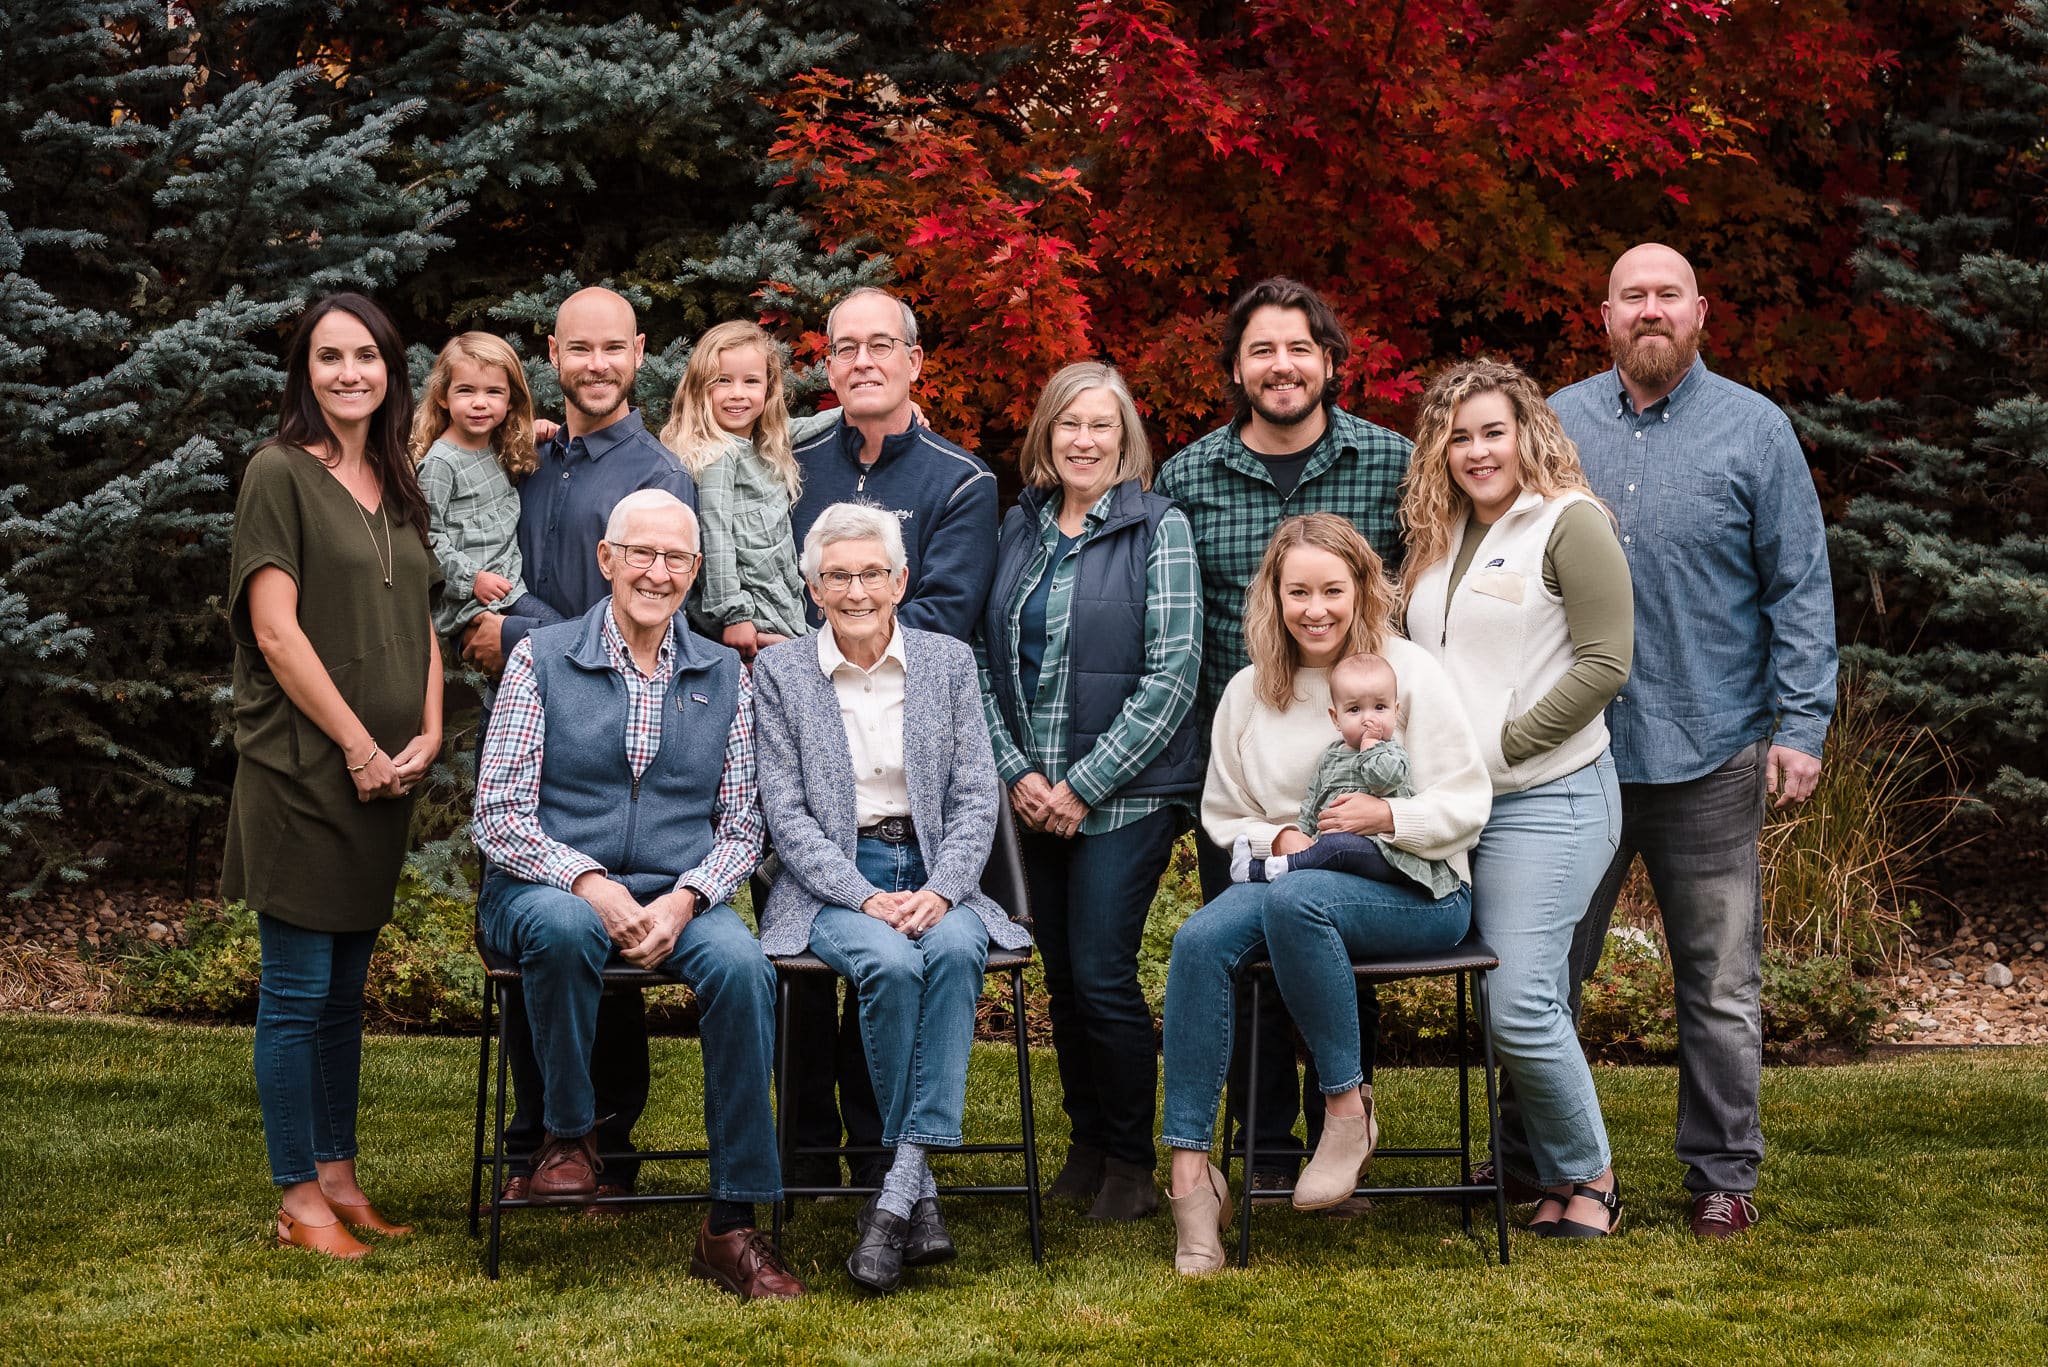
x: 572, y: 397
x: 1654, y: 367
x: 1310, y: 389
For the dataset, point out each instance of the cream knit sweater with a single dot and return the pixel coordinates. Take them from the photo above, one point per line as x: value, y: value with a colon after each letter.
x: 1261, y: 761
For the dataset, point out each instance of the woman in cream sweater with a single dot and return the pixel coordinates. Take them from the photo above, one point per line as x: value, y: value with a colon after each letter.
x: 1515, y: 581
x: 1318, y: 597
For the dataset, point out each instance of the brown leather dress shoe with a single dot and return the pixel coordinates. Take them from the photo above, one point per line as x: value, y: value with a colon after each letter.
x: 1722, y: 1214
x: 365, y: 1216
x: 517, y: 1187
x: 565, y: 1169
x: 744, y: 1263
x: 331, y: 1238
x: 604, y: 1196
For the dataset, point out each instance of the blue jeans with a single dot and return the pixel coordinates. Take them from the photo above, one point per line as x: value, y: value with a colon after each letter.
x: 309, y: 1044
x: 1534, y: 871
x: 562, y: 949
x: 1309, y: 924
x: 1089, y: 897
x: 916, y: 999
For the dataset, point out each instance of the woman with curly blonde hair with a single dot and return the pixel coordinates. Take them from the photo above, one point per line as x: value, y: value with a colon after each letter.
x: 1515, y: 581
x: 1319, y: 597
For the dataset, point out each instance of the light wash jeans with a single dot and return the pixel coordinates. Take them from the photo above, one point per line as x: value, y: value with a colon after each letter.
x: 1698, y: 840
x: 916, y: 999
x: 1540, y: 857
x: 1309, y: 924
x: 562, y: 949
x: 309, y: 1044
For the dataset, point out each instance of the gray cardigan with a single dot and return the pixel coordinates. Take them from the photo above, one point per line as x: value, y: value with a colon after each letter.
x: 806, y: 777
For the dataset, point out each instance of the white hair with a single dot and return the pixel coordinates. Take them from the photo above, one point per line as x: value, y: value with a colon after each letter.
x: 647, y: 500
x: 909, y: 318
x: 853, y: 522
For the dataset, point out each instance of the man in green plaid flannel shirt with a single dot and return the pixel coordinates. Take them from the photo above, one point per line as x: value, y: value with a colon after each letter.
x: 1289, y: 449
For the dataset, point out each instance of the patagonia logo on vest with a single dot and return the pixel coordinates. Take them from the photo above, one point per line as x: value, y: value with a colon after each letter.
x: 1495, y: 563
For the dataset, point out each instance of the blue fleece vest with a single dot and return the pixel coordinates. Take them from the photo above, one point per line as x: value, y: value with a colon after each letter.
x: 1105, y: 633
x: 647, y: 832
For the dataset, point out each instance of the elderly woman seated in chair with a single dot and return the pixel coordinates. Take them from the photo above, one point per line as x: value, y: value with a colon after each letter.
x: 880, y: 792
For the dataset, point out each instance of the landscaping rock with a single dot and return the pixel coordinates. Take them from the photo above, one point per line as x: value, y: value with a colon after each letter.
x: 1998, y: 975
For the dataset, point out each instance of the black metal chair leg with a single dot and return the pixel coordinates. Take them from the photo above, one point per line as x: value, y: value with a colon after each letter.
x: 1484, y: 1004
x: 1464, y: 1106
x: 483, y: 1082
x: 1250, y: 1122
x: 498, y: 1152
x: 782, y: 1126
x: 1031, y: 1199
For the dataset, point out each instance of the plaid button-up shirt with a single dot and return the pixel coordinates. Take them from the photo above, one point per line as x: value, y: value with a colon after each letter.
x: 1172, y: 640
x: 1233, y: 506
x: 507, y: 823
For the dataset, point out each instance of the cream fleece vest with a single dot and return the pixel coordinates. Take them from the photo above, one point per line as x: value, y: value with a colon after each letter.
x: 1504, y: 641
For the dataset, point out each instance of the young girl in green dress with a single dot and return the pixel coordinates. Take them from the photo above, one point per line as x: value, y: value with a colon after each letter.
x: 473, y: 440
x: 730, y: 426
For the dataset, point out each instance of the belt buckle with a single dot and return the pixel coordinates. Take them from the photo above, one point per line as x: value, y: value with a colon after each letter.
x: 895, y: 830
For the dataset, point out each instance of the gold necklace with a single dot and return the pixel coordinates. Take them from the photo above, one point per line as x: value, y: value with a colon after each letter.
x: 385, y: 561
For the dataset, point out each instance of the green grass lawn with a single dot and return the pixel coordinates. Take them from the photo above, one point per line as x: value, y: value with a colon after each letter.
x: 1905, y: 1204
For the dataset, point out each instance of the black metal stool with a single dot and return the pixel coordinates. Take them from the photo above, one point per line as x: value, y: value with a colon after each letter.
x: 1471, y: 959
x: 501, y: 975
x: 1003, y: 881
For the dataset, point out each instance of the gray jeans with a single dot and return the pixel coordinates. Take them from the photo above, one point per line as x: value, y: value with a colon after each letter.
x: 1698, y: 840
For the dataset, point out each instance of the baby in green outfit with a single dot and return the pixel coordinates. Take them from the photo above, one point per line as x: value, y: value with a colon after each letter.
x: 1365, y: 758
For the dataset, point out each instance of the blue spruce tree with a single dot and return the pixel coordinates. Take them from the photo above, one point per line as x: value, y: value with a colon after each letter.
x: 1944, y: 569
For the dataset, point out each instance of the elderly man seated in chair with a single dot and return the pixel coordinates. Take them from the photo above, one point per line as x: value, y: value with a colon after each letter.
x: 616, y: 804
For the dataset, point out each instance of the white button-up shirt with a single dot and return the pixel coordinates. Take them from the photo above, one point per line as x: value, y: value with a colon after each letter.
x: 871, y: 708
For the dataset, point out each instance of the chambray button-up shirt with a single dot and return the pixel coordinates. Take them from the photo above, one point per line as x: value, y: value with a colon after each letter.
x: 1735, y: 620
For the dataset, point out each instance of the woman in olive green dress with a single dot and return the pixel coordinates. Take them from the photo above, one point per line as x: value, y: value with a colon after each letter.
x: 337, y: 707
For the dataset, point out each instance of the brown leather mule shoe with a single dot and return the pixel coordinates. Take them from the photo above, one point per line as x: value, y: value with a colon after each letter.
x: 365, y: 1216
x: 330, y: 1238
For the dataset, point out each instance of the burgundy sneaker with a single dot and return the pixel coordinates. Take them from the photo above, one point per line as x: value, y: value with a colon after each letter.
x: 1519, y: 1193
x: 566, y: 1169
x: 1722, y: 1214
x: 744, y: 1263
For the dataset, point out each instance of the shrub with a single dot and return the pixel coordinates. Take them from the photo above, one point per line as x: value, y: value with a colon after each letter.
x: 1840, y: 870
x: 425, y: 972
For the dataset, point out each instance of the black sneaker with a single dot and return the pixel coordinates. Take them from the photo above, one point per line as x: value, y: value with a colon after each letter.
x: 927, y: 1242
x: 876, y: 1263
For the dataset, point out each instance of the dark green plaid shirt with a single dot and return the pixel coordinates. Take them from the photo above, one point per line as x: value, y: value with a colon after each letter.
x: 1231, y: 502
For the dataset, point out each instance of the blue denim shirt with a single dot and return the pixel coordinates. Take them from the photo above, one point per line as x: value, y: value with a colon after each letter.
x: 565, y: 504
x: 1735, y: 618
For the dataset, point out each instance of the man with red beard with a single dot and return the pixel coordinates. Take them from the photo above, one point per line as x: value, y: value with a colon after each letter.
x: 602, y: 453
x: 1730, y: 697
x: 1288, y: 449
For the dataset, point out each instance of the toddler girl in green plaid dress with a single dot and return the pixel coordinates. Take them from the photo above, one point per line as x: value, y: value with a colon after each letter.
x: 472, y: 436
x: 729, y: 425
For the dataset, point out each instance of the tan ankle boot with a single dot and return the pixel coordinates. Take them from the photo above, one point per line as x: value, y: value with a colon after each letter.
x: 1198, y: 1218
x: 1332, y: 1175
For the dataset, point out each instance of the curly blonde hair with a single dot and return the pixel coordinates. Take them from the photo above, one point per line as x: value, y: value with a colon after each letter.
x: 692, y: 429
x: 513, y: 441
x: 1276, y: 656
x: 1433, y: 507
